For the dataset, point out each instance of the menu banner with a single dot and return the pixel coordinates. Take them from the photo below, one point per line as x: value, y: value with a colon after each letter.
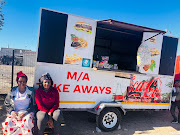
x: 149, y: 53
x: 80, y: 38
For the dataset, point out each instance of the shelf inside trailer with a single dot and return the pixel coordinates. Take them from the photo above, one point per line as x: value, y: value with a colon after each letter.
x: 121, y: 73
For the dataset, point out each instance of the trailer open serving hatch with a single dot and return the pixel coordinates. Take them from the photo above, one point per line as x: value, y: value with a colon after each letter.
x: 134, y: 65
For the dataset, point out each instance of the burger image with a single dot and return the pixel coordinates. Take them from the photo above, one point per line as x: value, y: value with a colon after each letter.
x: 154, y: 52
x: 78, y: 42
x: 82, y: 26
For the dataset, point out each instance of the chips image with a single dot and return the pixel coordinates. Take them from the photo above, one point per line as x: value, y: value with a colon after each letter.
x: 72, y: 58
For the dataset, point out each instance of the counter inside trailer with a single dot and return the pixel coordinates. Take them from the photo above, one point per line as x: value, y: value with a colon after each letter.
x: 120, y: 42
x: 120, y: 73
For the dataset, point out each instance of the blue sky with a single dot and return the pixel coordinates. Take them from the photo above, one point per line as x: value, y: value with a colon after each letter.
x: 22, y: 16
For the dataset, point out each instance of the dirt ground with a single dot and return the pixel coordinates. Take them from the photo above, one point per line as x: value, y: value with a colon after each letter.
x: 133, y: 123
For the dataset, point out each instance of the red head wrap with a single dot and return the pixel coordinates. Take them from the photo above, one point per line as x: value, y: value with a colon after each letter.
x: 21, y: 74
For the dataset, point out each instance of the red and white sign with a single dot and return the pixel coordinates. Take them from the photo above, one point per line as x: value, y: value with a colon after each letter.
x: 85, y: 88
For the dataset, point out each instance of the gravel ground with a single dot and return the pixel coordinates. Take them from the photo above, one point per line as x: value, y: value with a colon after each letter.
x: 133, y: 123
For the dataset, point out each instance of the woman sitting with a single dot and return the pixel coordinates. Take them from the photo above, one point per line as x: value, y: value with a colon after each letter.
x: 47, y: 100
x: 19, y: 105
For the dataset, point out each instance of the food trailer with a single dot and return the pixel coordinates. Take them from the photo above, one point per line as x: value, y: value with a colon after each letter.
x: 105, y: 67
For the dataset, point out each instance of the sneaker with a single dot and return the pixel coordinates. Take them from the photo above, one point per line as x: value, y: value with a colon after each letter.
x: 174, y: 121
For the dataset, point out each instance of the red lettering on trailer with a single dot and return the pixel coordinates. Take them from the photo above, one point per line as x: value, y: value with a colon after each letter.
x: 65, y: 87
x: 108, y: 90
x: 79, y: 76
x: 153, y: 92
x: 139, y: 86
x: 150, y: 90
x: 95, y: 90
x: 136, y: 83
x: 132, y: 82
x: 77, y: 88
x: 74, y: 75
x: 86, y: 76
x: 86, y: 89
x: 101, y: 89
x: 57, y: 87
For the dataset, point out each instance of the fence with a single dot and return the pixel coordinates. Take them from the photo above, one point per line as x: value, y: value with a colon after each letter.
x: 22, y: 60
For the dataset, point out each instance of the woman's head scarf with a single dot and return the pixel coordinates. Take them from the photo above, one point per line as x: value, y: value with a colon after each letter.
x: 45, y: 76
x: 21, y: 74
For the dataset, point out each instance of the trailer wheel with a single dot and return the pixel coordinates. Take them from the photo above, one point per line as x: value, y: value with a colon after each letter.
x: 109, y: 119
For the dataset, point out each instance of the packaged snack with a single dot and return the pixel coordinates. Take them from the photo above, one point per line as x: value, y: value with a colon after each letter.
x: 105, y: 58
x: 101, y: 65
x: 115, y: 66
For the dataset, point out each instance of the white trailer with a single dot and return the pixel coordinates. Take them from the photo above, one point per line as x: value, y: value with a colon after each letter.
x: 143, y: 59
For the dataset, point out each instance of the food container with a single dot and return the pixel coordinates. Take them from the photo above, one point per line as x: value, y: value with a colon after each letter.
x: 101, y: 65
x: 115, y: 66
x: 97, y: 64
x: 105, y: 58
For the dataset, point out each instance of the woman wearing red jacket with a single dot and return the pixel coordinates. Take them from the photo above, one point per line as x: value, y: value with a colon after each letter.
x: 47, y: 100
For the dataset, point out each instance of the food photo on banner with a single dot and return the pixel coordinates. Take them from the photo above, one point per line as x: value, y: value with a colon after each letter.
x: 80, y: 38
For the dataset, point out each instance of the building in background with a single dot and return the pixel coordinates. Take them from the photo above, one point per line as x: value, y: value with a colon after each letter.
x: 29, y: 58
x: 9, y: 51
x: 23, y: 57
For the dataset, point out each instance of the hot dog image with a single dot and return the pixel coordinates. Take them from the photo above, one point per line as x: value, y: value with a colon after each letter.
x: 78, y: 42
x: 153, y: 40
x: 82, y: 26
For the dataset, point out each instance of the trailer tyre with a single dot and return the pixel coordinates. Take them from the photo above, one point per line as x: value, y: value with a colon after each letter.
x: 109, y: 119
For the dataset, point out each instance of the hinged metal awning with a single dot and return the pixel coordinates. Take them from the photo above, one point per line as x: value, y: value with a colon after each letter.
x: 127, y: 26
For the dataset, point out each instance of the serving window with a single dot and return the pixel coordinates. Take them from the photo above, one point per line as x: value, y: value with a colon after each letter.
x: 52, y: 37
x: 119, y: 44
